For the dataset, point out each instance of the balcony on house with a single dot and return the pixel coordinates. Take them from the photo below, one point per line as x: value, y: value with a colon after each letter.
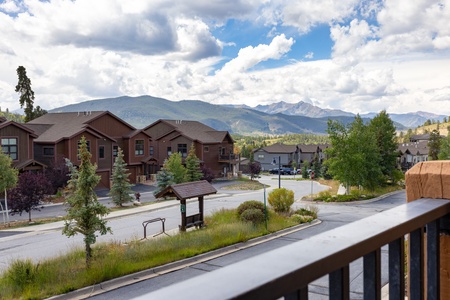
x: 229, y: 158
x: 421, y: 226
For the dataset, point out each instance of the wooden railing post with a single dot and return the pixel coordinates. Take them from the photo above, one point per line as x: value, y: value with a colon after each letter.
x: 431, y: 179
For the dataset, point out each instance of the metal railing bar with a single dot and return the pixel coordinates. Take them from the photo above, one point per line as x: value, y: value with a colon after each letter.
x: 301, y: 294
x: 397, y: 269
x: 284, y: 270
x: 416, y: 264
x: 433, y: 263
x: 339, y: 284
x: 372, y: 275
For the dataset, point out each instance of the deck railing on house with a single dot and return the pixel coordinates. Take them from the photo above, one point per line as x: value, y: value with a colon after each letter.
x: 287, y: 271
x: 228, y: 157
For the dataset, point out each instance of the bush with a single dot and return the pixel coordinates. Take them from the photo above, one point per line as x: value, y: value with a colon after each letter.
x: 309, y: 211
x: 301, y: 218
x: 281, y: 199
x: 21, y: 273
x: 253, y: 215
x: 251, y: 204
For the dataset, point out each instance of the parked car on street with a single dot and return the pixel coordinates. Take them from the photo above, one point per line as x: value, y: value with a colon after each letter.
x: 282, y: 171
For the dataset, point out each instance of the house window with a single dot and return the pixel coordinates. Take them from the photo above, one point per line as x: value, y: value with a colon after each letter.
x: 9, y: 147
x: 115, y: 151
x: 261, y: 156
x: 182, y: 148
x: 101, y: 152
x: 151, y: 151
x: 139, y: 147
x: 206, y: 149
x: 169, y: 151
x: 48, y: 151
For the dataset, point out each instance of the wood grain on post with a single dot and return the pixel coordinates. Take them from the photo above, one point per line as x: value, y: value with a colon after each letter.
x: 431, y: 179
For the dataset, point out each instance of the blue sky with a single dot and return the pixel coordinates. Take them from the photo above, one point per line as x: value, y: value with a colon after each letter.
x: 358, y: 56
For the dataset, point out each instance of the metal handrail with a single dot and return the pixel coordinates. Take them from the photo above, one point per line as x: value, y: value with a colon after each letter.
x: 287, y: 271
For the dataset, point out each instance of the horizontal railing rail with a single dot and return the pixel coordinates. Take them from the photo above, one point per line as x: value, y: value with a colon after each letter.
x: 287, y: 271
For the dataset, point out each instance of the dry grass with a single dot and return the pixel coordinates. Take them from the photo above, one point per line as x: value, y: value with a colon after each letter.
x: 245, y: 186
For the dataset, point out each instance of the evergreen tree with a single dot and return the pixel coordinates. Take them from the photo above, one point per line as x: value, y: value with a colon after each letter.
x: 121, y: 187
x: 384, y: 131
x: 26, y: 99
x: 164, y: 178
x: 316, y: 167
x: 434, y: 145
x: 85, y: 214
x: 8, y: 177
x: 193, y: 172
x: 175, y: 166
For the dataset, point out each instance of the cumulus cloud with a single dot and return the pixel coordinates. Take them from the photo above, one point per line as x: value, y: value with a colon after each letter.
x: 250, y: 56
x: 390, y: 54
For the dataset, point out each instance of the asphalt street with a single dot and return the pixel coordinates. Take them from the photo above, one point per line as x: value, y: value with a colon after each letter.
x: 43, y: 241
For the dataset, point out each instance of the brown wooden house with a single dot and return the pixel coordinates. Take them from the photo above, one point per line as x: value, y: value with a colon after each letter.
x: 17, y: 142
x: 58, y: 135
x: 213, y: 148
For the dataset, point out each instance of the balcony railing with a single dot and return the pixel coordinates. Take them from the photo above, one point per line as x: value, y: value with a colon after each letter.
x: 287, y: 271
x: 228, y: 157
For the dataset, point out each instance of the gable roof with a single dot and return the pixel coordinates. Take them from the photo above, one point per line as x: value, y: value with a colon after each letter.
x: 279, y: 148
x: 18, y: 125
x: 194, y: 130
x: 187, y: 190
x: 54, y: 127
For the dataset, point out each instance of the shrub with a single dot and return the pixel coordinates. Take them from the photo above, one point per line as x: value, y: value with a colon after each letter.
x: 308, y: 211
x: 301, y: 218
x: 281, y: 199
x: 22, y: 273
x: 251, y: 204
x: 253, y: 215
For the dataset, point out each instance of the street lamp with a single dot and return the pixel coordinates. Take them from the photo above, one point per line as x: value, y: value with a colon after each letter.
x: 274, y: 162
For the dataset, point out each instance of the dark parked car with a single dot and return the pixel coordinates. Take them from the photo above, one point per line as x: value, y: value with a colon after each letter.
x: 283, y: 171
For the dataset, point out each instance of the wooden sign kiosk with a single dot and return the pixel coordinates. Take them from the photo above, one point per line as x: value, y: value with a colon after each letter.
x: 185, y: 191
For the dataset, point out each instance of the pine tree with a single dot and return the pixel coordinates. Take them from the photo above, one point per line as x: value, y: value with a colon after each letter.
x: 164, y: 178
x: 85, y: 214
x: 23, y: 87
x: 193, y: 172
x: 434, y: 145
x: 121, y: 187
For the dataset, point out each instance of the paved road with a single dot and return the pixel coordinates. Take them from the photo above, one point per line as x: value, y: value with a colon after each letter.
x: 331, y: 215
x: 35, y: 242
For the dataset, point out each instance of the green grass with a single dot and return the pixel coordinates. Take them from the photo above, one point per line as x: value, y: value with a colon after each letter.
x: 25, y: 279
x: 355, y: 194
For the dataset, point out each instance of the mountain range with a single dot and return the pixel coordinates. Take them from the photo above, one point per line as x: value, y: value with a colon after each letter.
x: 274, y: 119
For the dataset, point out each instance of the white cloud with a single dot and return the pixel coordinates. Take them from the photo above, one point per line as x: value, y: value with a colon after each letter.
x: 390, y: 54
x: 250, y: 56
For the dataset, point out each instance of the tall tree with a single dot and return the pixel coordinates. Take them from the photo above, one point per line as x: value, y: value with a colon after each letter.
x: 23, y: 87
x: 384, y: 131
x: 353, y: 158
x: 175, y: 166
x: 444, y: 154
x: 29, y: 192
x: 193, y: 171
x: 121, y: 186
x: 254, y: 169
x: 85, y: 214
x: 434, y: 145
x: 8, y: 177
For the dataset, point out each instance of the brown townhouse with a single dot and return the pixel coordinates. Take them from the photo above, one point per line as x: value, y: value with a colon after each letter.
x: 17, y: 142
x: 59, y: 134
x: 213, y: 148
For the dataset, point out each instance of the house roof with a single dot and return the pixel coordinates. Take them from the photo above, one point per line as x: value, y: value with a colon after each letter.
x: 187, y: 190
x: 53, y: 127
x: 29, y: 162
x: 18, y: 125
x: 415, y: 148
x: 195, y: 130
x: 2, y: 119
x: 279, y: 148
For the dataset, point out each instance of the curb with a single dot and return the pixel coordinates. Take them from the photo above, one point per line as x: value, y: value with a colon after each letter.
x: 126, y: 280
